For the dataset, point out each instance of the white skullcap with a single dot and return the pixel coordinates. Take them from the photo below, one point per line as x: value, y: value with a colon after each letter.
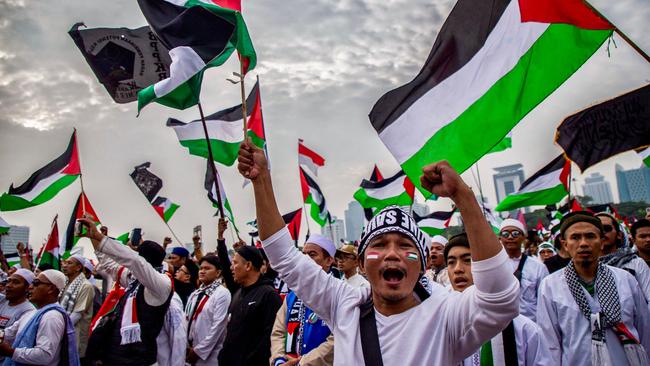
x: 515, y: 223
x: 57, y: 278
x: 440, y: 239
x: 89, y: 265
x: 323, y: 242
x: 80, y: 258
x: 27, y: 275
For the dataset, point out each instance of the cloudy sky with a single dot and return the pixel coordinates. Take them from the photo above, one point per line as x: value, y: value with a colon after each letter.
x: 322, y: 65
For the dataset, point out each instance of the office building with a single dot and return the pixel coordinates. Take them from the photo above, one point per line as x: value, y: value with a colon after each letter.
x: 334, y: 231
x: 633, y: 184
x: 598, y: 189
x: 354, y: 221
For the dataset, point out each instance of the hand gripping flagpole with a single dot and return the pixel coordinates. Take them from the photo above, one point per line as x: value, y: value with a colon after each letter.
x: 619, y: 32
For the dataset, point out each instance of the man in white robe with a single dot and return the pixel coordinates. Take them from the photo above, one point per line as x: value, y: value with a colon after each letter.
x: 591, y: 313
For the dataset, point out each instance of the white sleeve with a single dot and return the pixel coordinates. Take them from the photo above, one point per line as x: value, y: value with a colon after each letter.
x: 301, y: 274
x: 219, y: 320
x: 107, y: 267
x: 48, y: 340
x: 157, y: 286
x: 485, y: 309
x: 549, y: 323
x: 12, y: 330
x: 642, y: 275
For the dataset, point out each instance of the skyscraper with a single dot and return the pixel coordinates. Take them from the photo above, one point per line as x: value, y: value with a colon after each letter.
x: 507, y: 180
x: 598, y: 189
x: 354, y: 221
x: 334, y: 231
x: 633, y: 184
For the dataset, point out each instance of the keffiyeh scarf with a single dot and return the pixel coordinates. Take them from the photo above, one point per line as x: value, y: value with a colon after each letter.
x: 69, y: 297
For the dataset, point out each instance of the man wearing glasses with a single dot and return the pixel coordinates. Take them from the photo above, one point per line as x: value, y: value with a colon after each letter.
x: 347, y: 262
x: 529, y: 272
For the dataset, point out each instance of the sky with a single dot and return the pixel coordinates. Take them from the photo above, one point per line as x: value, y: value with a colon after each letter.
x: 322, y: 65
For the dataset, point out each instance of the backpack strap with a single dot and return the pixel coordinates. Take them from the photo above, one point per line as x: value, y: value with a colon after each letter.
x: 510, y: 345
x: 520, y: 267
x: 369, y: 337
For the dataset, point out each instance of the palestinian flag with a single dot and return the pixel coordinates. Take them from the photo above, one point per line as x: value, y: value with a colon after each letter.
x: 556, y: 214
x: 46, y: 182
x: 435, y: 223
x: 81, y: 207
x: 313, y: 195
x: 549, y: 185
x: 293, y: 220
x: 199, y: 35
x: 211, y: 187
x: 124, y: 238
x: 4, y: 227
x: 503, y: 145
x: 50, y: 252
x: 224, y: 131
x: 522, y: 49
x: 308, y: 158
x: 396, y: 190
x: 164, y: 207
x: 644, y: 154
x: 375, y: 176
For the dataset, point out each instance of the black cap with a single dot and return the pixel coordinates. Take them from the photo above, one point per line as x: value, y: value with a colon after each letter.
x: 251, y: 254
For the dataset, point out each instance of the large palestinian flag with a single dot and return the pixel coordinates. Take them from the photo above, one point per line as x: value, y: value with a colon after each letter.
x: 211, y: 187
x: 548, y: 186
x: 81, y: 207
x: 492, y: 63
x: 50, y: 253
x: 46, y: 182
x: 199, y: 35
x: 313, y: 195
x: 396, y: 190
x: 164, y: 207
x: 434, y: 223
x: 224, y: 130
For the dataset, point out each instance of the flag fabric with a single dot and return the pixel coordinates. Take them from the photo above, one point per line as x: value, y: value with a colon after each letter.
x: 148, y: 182
x: 556, y: 214
x: 124, y: 238
x: 81, y: 206
x: 164, y: 207
x: 308, y: 158
x: 211, y: 187
x: 503, y: 145
x: 604, y: 130
x: 313, y: 195
x: 50, y: 252
x: 575, y: 205
x: 293, y: 220
x: 522, y: 49
x: 396, y: 190
x: 644, y: 154
x: 199, y: 35
x: 224, y: 131
x: 46, y: 182
x: 549, y: 185
x: 124, y: 60
x: 4, y: 227
x: 434, y: 223
x: 375, y: 176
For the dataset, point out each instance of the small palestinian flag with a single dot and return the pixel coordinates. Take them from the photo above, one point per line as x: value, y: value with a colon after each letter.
x: 549, y: 185
x: 224, y: 131
x: 492, y: 63
x: 46, y: 182
x: 164, y: 207
x: 81, y: 207
x: 199, y: 35
x: 293, y: 220
x: 4, y: 227
x: 396, y: 190
x: 50, y: 253
x: 212, y: 195
x: 375, y: 176
x: 434, y: 223
x: 556, y: 214
x: 644, y: 154
x: 308, y: 158
x: 313, y: 195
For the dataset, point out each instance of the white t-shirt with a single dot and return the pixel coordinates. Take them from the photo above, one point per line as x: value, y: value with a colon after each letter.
x: 358, y: 281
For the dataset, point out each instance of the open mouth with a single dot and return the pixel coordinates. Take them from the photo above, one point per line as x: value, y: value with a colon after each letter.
x: 393, y: 275
x: 460, y: 281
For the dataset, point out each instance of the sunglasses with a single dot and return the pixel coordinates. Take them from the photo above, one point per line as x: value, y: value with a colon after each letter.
x: 608, y: 228
x: 510, y: 234
x: 38, y: 282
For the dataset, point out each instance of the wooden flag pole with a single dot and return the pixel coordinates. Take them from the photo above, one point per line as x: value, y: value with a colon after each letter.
x: 48, y: 240
x: 243, y: 96
x: 619, y: 32
x: 211, y: 159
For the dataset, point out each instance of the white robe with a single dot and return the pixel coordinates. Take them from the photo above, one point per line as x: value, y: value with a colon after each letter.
x: 172, y: 339
x: 208, y: 330
x: 531, y: 276
x: 531, y: 347
x: 568, y: 332
x: 47, y: 350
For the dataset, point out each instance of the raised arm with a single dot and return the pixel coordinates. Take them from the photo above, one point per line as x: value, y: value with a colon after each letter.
x: 224, y: 260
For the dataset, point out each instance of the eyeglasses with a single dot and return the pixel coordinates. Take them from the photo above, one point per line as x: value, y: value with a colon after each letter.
x: 510, y: 234
x: 38, y: 282
x: 607, y: 228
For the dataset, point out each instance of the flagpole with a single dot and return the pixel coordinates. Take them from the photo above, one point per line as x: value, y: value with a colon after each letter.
x: 304, y: 211
x: 259, y: 98
x: 211, y: 158
x: 81, y: 176
x: 243, y: 95
x: 48, y: 239
x: 480, y: 186
x: 619, y: 32
x: 173, y: 233
x: 570, y: 179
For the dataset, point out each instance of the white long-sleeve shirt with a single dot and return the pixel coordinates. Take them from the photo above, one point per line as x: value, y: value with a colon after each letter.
x: 641, y: 273
x: 568, y: 332
x: 208, y: 330
x: 47, y: 349
x: 531, y: 276
x: 442, y: 330
x: 172, y: 340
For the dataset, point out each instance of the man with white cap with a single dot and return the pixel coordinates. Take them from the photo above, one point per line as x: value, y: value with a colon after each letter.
x: 77, y: 299
x: 392, y: 323
x: 546, y: 250
x: 529, y: 272
x: 14, y: 304
x: 438, y: 271
x: 46, y: 337
x: 299, y: 335
x: 347, y: 260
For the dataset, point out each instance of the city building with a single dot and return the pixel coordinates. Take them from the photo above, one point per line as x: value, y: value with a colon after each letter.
x: 598, y: 189
x: 507, y: 180
x: 354, y: 221
x: 334, y: 231
x: 17, y: 234
x: 633, y: 184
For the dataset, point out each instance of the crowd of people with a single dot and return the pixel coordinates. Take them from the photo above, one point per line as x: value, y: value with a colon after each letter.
x: 397, y: 297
